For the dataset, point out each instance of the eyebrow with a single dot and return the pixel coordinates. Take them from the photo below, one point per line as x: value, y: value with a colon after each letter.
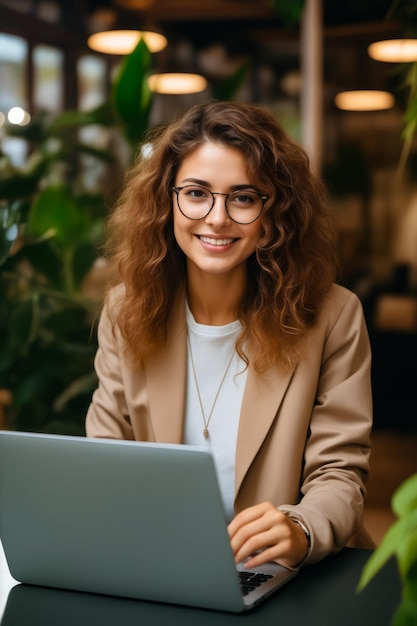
x: 204, y: 183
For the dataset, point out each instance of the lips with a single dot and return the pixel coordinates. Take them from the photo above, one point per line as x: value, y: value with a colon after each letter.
x: 216, y: 242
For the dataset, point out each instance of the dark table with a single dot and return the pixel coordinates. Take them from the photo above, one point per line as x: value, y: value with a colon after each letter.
x: 321, y: 595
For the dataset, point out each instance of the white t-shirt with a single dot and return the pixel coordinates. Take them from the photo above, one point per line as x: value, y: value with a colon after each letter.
x: 212, y: 348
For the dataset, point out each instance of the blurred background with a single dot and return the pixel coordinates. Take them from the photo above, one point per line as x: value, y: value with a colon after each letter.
x: 72, y: 116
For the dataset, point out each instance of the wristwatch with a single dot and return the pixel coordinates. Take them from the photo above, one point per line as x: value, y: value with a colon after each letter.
x: 303, y: 528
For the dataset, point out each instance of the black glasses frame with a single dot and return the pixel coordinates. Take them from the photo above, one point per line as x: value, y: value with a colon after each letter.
x: 218, y: 193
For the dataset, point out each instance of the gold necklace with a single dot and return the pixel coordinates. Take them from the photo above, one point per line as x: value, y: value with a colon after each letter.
x: 207, y: 421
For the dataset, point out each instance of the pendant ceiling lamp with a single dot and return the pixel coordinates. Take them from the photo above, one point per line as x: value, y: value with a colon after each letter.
x: 394, y: 50
x: 176, y: 83
x: 124, y: 41
x: 364, y: 100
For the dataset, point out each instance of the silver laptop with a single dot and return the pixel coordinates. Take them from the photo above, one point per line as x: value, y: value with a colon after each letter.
x: 122, y: 518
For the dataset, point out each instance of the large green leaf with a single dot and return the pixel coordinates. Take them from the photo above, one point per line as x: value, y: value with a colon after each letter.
x: 400, y: 540
x: 385, y: 551
x: 102, y: 115
x: 404, y: 500
x: 45, y: 260
x: 22, y: 324
x: 404, y: 615
x: 84, y: 256
x: 407, y: 549
x: 131, y: 96
x: 56, y: 211
x: 99, y: 153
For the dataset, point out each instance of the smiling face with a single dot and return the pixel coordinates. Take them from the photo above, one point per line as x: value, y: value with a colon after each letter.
x: 215, y: 244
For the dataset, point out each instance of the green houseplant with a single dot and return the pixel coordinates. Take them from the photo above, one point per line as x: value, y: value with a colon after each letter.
x: 400, y: 541
x: 405, y: 13
x: 51, y: 229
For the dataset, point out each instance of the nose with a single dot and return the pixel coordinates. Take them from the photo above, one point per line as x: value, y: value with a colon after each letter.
x: 218, y: 214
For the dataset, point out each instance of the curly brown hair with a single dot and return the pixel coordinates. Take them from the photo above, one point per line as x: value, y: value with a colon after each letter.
x: 292, y: 268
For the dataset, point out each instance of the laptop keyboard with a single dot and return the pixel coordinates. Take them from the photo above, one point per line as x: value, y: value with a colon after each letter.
x: 251, y: 580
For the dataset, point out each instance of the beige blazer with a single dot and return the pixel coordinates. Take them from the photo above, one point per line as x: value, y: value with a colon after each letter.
x: 304, y: 435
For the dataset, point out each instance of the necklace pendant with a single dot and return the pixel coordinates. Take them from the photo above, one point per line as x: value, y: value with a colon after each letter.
x: 205, y: 433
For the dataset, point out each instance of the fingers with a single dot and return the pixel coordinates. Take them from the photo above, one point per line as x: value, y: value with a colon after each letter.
x: 262, y: 533
x: 258, y: 528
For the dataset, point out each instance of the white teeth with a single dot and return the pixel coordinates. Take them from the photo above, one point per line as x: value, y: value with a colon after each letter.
x: 216, y: 242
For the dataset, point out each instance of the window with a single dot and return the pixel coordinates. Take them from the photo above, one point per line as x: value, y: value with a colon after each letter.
x: 48, y: 79
x: 92, y: 88
x: 13, y: 70
x: 92, y: 92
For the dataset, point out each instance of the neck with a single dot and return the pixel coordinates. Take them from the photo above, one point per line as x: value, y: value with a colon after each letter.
x: 214, y: 300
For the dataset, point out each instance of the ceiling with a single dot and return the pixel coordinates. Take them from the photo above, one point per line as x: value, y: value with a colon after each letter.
x: 205, y: 21
x: 178, y: 11
x: 244, y: 26
x: 216, y: 35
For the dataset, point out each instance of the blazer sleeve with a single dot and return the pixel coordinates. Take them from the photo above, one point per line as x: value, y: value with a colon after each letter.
x: 108, y: 414
x: 336, y: 457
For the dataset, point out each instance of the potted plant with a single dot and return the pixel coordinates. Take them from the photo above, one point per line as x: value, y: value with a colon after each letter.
x: 400, y: 541
x: 51, y: 229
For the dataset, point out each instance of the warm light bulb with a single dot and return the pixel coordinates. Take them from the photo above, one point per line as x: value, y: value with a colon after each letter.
x: 394, y: 50
x: 177, y: 83
x: 18, y: 116
x: 364, y: 100
x: 124, y: 41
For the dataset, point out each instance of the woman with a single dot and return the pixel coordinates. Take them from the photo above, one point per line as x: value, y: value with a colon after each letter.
x: 227, y: 331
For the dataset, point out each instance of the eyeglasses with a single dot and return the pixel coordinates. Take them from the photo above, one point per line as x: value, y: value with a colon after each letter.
x: 243, y: 206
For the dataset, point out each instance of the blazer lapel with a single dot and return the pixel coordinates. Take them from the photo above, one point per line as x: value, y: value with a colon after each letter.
x: 166, y: 375
x: 262, y: 398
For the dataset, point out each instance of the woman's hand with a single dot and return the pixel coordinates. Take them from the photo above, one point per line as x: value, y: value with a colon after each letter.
x: 261, y: 533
